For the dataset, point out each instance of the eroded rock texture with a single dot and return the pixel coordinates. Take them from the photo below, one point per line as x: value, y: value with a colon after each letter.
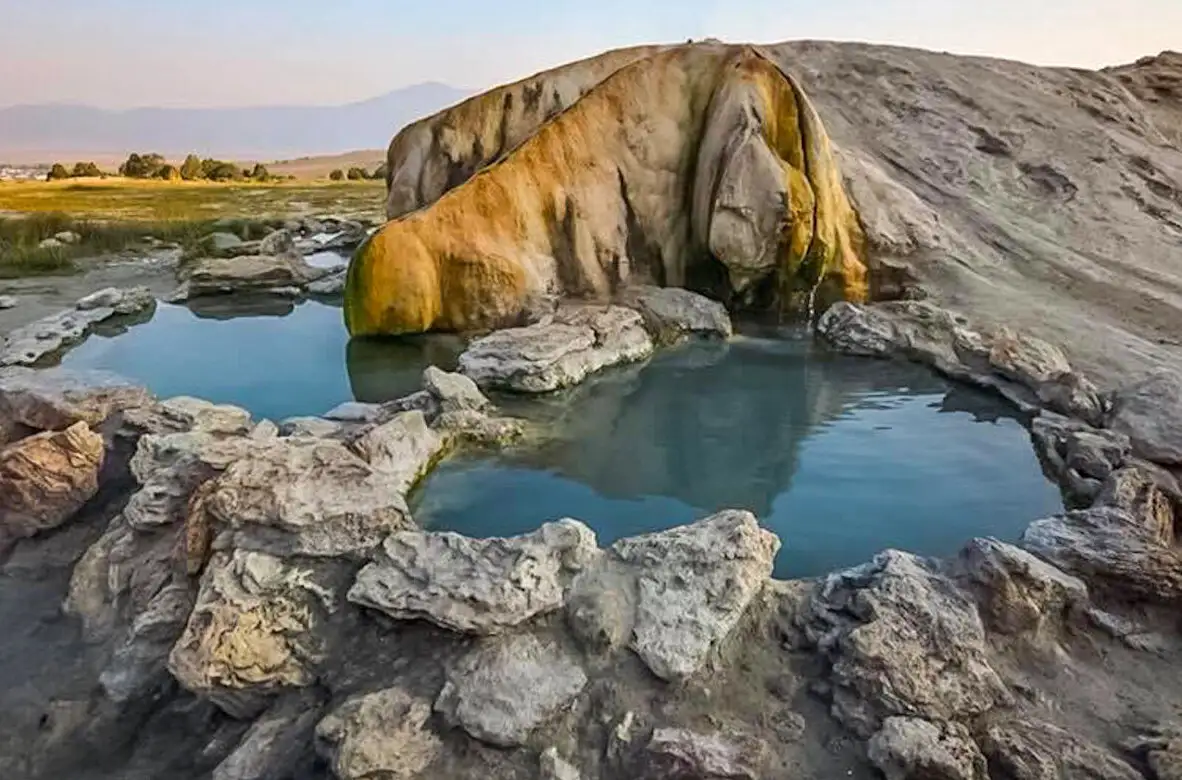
x: 709, y: 163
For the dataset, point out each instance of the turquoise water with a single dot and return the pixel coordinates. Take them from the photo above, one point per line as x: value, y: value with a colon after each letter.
x: 841, y: 457
x: 273, y: 357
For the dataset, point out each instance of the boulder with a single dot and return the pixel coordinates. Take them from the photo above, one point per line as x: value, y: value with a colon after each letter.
x: 46, y: 478
x: 682, y: 754
x: 313, y: 427
x: 1025, y: 359
x: 908, y: 748
x: 903, y: 640
x: 53, y: 399
x: 50, y: 243
x: 385, y: 735
x: 505, y: 688
x: 183, y: 414
x: 1018, y: 592
x: 404, y: 449
x: 251, y: 273
x: 481, y: 429
x: 301, y: 496
x: 673, y: 315
x: 28, y: 344
x: 693, y: 586
x: 252, y: 633
x: 275, y: 745
x: 137, y: 667
x: 475, y: 586
x: 1026, y: 749
x: 277, y: 242
x: 355, y: 412
x: 1150, y: 412
x: 454, y: 392
x: 1079, y: 456
x: 67, y: 237
x: 576, y: 342
x: 217, y: 243
x: 859, y: 330
x: 8, y: 302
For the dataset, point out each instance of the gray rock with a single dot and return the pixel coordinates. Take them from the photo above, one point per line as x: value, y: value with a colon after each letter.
x: 333, y: 284
x: 1161, y: 749
x: 693, y: 586
x: 552, y: 766
x: 216, y: 243
x: 379, y: 735
x: 1032, y: 750
x: 1150, y: 412
x: 902, y: 640
x: 910, y: 748
x: 253, y: 632
x: 56, y: 398
x: 504, y: 689
x: 28, y: 344
x: 251, y: 273
x: 576, y: 342
x: 355, y: 412
x: 475, y: 586
x: 1020, y: 593
x: 137, y: 667
x: 184, y: 414
x: 292, y: 226
x: 454, y: 392
x: 8, y: 302
x: 672, y: 314
x: 1079, y: 456
x: 858, y: 330
x: 300, y: 496
x: 67, y: 237
x: 480, y: 428
x: 277, y: 242
x: 275, y: 745
x: 682, y: 753
x: 314, y: 427
x: 404, y: 448
x: 50, y: 243
x: 1025, y: 359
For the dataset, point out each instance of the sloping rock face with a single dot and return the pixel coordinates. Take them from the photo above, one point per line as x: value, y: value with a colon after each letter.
x: 721, y: 176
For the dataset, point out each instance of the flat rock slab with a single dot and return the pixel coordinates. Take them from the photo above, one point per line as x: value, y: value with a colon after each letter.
x: 218, y: 275
x: 672, y: 314
x: 508, y: 687
x: 694, y: 584
x: 26, y: 345
x: 475, y: 586
x: 558, y: 352
x: 56, y: 398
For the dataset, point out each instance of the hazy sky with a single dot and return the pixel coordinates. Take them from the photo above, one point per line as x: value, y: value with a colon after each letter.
x: 120, y: 53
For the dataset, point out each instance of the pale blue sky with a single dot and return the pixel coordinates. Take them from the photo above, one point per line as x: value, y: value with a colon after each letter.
x: 120, y: 53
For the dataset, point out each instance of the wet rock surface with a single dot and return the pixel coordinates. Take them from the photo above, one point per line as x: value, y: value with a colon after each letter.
x: 250, y: 273
x: 673, y: 315
x: 30, y: 343
x: 558, y: 352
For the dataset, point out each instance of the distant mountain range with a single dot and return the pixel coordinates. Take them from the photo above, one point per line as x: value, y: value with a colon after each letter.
x: 256, y: 133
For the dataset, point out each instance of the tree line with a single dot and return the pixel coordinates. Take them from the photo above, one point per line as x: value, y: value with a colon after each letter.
x: 154, y: 166
x: 358, y: 174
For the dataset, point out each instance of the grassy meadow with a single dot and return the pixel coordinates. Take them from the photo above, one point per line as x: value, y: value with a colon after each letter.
x: 112, y: 215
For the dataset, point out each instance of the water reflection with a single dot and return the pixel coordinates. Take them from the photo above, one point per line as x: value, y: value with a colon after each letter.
x: 842, y: 457
x: 276, y: 357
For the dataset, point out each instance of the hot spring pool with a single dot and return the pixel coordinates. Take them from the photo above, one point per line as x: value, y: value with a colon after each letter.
x: 275, y: 358
x: 841, y: 457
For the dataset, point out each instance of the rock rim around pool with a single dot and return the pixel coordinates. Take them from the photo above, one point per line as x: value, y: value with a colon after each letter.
x: 31, y: 343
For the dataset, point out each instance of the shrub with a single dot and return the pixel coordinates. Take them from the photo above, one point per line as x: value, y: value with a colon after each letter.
x: 337, y: 175
x: 357, y: 174
x: 84, y: 170
x: 57, y: 173
x: 169, y: 173
x: 145, y: 166
x: 260, y: 173
x: 379, y: 172
x: 217, y: 170
x: 191, y: 168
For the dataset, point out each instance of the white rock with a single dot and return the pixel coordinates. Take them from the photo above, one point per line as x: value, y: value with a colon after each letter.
x: 404, y: 448
x: 379, y: 735
x: 8, y: 301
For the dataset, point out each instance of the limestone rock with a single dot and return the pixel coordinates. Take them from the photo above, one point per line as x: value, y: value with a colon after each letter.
x: 183, y: 414
x: 911, y: 748
x: 8, y: 302
x: 49, y: 243
x: 275, y: 744
x: 379, y: 735
x: 673, y: 315
x: 217, y: 276
x: 331, y: 284
x: 137, y: 666
x: 454, y: 392
x: 48, y: 335
x: 313, y: 427
x: 540, y: 358
x: 355, y: 412
x: 1161, y: 750
x: 217, y: 243
x: 859, y: 330
x: 1149, y: 413
x: 1019, y: 592
x: 46, y: 478
x: 1026, y: 359
x: 300, y: 496
x: 277, y: 242
x: 903, y: 640
x: 682, y: 754
x: 1032, y: 750
x: 252, y: 632
x: 506, y: 688
x: 480, y: 428
x: 1080, y: 457
x: 475, y: 586
x: 404, y: 449
x: 68, y: 237
x: 694, y: 585
x: 56, y: 398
